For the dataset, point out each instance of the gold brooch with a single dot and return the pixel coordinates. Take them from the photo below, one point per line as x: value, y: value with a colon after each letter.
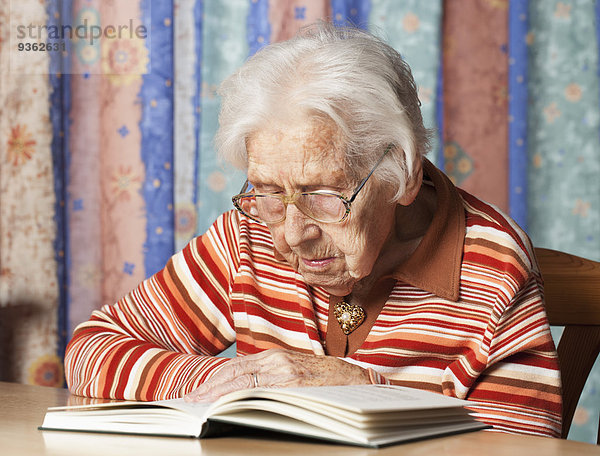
x: 349, y: 316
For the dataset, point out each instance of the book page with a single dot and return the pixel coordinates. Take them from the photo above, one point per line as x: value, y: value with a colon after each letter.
x: 357, y: 398
x: 371, y: 414
x: 154, y: 420
x: 354, y: 398
x: 197, y: 409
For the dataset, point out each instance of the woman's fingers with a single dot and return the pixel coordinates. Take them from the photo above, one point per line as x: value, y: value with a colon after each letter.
x: 217, y: 389
x: 278, y: 368
x: 235, y: 375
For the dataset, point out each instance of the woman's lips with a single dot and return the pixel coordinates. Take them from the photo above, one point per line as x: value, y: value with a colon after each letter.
x: 317, y: 263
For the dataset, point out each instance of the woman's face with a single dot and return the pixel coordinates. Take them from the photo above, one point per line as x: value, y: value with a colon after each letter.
x: 307, y: 156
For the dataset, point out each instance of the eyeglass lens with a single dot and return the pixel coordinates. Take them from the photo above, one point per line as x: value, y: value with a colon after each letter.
x: 321, y: 207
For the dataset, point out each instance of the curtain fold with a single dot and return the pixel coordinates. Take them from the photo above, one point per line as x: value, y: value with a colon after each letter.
x: 156, y: 130
x: 224, y: 48
x: 475, y: 74
x: 414, y: 28
x: 106, y: 208
x: 518, y: 19
x: 29, y: 288
x: 563, y: 124
x: 186, y: 106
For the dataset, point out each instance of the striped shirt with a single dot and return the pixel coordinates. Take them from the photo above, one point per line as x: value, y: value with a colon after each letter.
x: 463, y: 316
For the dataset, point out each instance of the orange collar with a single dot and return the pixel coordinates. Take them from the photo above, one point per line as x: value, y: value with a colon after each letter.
x: 435, y: 264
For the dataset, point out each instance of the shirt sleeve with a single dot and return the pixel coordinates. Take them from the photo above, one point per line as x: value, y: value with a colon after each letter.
x: 160, y: 340
x: 512, y: 379
x: 519, y: 391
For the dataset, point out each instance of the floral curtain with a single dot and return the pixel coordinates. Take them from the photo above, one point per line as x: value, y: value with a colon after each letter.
x: 107, y: 160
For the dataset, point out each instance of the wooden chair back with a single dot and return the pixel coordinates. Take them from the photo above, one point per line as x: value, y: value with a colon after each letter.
x: 572, y: 296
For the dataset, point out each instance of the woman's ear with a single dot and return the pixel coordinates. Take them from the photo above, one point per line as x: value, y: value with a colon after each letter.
x: 413, y: 185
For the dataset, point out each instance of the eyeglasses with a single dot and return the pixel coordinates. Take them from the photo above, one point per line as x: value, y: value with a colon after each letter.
x: 321, y: 205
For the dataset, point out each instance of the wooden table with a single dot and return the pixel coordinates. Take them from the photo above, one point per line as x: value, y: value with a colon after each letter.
x: 22, y: 409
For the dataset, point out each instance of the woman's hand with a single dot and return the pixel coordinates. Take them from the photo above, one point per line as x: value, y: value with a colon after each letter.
x: 278, y: 368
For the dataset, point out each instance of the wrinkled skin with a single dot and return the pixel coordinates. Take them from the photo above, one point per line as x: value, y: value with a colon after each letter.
x: 279, y: 368
x: 342, y: 258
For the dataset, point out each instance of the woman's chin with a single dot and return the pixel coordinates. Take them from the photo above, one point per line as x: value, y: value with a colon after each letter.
x: 332, y: 284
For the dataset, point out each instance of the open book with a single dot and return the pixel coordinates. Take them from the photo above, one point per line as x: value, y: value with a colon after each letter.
x: 365, y: 415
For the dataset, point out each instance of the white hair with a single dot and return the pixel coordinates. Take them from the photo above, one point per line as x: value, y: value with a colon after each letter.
x: 339, y: 73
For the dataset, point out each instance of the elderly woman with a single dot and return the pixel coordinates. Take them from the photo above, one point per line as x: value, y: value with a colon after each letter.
x: 350, y: 258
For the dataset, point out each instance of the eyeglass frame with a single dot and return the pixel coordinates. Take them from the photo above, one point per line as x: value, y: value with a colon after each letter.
x: 287, y: 199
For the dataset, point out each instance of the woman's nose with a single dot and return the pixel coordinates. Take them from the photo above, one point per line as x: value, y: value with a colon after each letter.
x: 299, y: 227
